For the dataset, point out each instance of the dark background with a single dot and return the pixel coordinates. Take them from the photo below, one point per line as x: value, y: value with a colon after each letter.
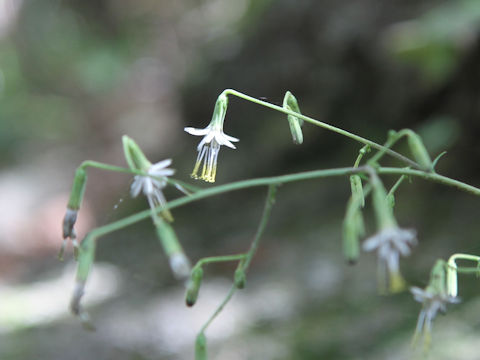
x: 76, y: 75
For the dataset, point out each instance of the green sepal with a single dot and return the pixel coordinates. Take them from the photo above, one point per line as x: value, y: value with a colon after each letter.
x: 290, y: 103
x: 201, y: 347
x: 219, y: 111
x: 134, y: 156
x: 383, y: 210
x: 193, y: 286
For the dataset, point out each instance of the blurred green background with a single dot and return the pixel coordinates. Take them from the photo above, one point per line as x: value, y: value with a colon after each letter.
x: 75, y: 75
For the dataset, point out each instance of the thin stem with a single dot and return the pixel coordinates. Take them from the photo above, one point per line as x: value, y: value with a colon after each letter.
x: 315, y: 174
x: 361, y: 154
x: 324, y: 125
x: 270, y: 200
x: 215, y: 259
x: 396, y: 185
x: 219, y: 309
x: 272, y: 190
x: 460, y: 256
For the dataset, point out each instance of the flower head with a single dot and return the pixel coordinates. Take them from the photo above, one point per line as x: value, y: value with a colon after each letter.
x: 152, y: 185
x: 213, y: 138
x: 433, y: 301
x: 391, y: 243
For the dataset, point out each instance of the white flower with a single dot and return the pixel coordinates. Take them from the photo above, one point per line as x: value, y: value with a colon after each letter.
x: 390, y: 243
x: 208, y: 149
x: 152, y: 185
x: 433, y: 302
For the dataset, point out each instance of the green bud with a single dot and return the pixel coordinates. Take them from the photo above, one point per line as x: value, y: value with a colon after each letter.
x: 353, y: 229
x: 134, y: 156
x: 193, y: 286
x: 357, y: 189
x: 419, y: 151
x: 240, y: 277
x: 201, y: 347
x: 452, y: 282
x: 290, y: 103
x: 78, y: 189
x: 86, y: 257
x: 438, y: 278
x: 179, y: 262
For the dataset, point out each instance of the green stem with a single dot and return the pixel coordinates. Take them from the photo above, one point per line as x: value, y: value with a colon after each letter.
x: 396, y: 185
x: 215, y: 259
x: 315, y: 174
x: 251, y: 252
x: 219, y: 309
x: 272, y: 190
x: 361, y: 154
x: 324, y: 125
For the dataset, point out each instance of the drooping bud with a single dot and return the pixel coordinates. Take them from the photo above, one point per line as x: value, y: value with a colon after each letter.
x: 357, y: 189
x: 86, y: 257
x: 179, y: 262
x: 295, y: 123
x: 240, y: 278
x: 201, y: 347
x: 74, y: 203
x: 438, y: 278
x: 193, y: 286
x: 220, y: 110
x: 418, y: 150
x: 353, y: 229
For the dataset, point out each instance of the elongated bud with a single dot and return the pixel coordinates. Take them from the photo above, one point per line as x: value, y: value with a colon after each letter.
x: 193, y: 286
x: 353, y: 229
x: 179, y: 262
x: 86, y: 257
x: 240, y: 278
x: 290, y: 103
x: 381, y: 206
x: 357, y: 189
x: 134, y: 156
x: 419, y: 151
x: 452, y: 283
x: 438, y: 279
x: 201, y: 347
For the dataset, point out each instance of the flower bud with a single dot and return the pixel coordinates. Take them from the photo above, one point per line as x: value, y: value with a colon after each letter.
x: 86, y: 258
x: 201, y: 347
x: 193, y: 286
x: 357, y: 189
x: 179, y: 262
x: 419, y: 151
x: 290, y: 103
x: 240, y: 277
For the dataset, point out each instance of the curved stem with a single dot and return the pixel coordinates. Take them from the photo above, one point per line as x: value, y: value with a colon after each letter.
x: 325, y: 126
x: 315, y: 174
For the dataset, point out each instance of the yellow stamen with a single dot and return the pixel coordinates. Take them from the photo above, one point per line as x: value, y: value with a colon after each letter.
x: 195, y: 170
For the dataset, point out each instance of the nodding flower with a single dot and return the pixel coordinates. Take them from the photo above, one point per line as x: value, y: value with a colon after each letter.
x: 209, y: 146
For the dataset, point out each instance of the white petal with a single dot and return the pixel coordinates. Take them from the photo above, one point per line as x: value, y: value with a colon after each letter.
x: 160, y: 165
x: 231, y: 138
x: 197, y: 132
x: 136, y: 186
x: 222, y: 140
x: 372, y: 242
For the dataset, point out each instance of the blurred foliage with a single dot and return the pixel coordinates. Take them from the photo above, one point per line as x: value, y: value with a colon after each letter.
x: 69, y: 84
